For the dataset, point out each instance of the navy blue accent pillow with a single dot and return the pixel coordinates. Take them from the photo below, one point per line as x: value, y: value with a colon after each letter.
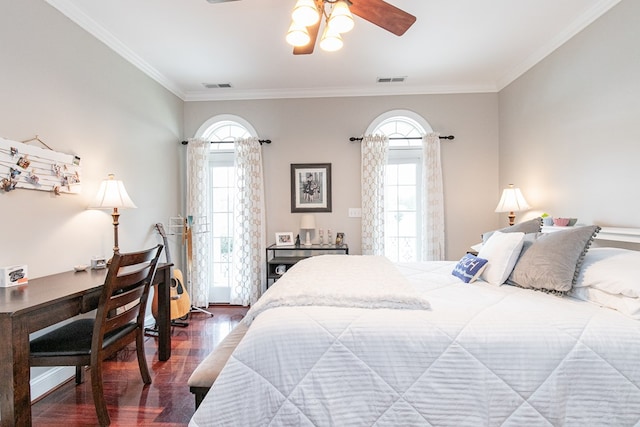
x: 469, y: 268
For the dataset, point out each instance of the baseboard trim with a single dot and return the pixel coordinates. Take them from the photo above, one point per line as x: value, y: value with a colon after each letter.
x: 49, y: 380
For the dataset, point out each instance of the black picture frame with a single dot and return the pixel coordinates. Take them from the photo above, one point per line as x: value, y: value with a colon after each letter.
x: 311, y: 187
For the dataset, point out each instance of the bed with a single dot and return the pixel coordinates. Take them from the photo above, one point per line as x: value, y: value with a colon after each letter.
x: 358, y: 341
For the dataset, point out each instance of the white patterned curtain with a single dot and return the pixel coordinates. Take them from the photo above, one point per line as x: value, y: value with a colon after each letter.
x: 374, y: 152
x: 249, y: 227
x: 433, y: 199
x: 198, y: 273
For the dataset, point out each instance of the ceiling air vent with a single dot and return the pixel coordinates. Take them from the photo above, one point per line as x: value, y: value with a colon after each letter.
x: 216, y: 85
x: 391, y: 79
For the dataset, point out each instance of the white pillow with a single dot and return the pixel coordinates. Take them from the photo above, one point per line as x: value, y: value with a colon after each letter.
x: 502, y: 251
x: 477, y: 247
x: 625, y: 305
x: 612, y: 270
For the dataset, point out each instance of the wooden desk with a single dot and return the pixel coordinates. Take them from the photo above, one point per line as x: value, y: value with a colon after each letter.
x: 44, y: 302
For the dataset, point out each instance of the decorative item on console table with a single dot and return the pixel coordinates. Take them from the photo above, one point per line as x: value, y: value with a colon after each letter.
x: 307, y: 223
x: 284, y: 239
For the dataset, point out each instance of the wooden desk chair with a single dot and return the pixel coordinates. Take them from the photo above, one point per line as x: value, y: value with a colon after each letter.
x: 118, y: 322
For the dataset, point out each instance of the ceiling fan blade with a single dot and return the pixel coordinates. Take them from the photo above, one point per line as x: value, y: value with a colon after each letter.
x: 308, y: 48
x: 384, y: 15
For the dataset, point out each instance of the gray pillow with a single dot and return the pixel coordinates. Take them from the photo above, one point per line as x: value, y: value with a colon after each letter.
x: 526, y: 227
x: 551, y: 261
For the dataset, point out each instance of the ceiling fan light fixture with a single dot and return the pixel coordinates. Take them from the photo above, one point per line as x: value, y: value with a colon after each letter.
x: 341, y: 20
x: 331, y: 40
x: 297, y: 35
x: 305, y: 13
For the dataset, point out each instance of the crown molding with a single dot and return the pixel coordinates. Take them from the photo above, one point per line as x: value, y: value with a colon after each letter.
x: 576, y: 26
x: 336, y: 92
x: 92, y: 27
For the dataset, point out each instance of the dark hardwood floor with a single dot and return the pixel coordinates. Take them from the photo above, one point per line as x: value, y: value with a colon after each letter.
x: 165, y: 402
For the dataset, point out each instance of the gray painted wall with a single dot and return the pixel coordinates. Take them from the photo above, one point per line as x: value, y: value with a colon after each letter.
x: 80, y: 97
x: 317, y: 130
x: 569, y: 133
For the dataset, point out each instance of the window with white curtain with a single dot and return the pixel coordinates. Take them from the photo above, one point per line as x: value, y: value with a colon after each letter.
x: 222, y: 195
x: 403, y: 189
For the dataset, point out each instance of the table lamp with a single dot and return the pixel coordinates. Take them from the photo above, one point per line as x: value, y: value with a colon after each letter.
x: 512, y: 201
x: 308, y: 222
x: 112, y: 194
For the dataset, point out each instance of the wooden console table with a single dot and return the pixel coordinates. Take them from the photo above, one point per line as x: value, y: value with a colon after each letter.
x: 46, y: 301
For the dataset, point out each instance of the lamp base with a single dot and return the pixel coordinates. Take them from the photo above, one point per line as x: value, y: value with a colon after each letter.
x: 307, y: 241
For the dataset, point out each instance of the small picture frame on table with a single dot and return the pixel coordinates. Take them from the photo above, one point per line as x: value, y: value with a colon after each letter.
x: 339, y: 239
x: 284, y: 239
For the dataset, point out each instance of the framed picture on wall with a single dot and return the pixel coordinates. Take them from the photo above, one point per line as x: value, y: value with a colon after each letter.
x: 311, y: 187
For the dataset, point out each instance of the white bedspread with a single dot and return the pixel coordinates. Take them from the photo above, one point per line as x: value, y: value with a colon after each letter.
x: 481, y: 356
x: 341, y: 281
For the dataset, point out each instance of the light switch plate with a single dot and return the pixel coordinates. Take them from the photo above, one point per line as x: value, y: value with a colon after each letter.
x: 355, y: 212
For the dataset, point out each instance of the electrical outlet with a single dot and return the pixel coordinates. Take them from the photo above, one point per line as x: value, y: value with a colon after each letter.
x: 355, y: 212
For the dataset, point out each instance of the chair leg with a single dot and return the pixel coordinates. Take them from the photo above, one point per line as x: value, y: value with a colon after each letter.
x: 142, y: 360
x: 79, y: 374
x: 98, y: 394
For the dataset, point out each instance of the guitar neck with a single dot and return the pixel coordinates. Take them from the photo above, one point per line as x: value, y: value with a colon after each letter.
x: 166, y: 248
x: 165, y: 241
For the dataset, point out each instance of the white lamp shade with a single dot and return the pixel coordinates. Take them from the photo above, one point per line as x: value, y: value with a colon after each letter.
x: 112, y: 194
x: 512, y: 200
x: 305, y: 13
x: 298, y: 35
x: 308, y: 222
x: 341, y: 20
x: 331, y: 40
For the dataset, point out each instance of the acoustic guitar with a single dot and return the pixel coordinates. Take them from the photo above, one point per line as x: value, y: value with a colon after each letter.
x: 179, y: 298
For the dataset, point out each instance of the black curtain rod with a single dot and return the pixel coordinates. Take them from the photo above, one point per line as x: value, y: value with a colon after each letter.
x: 449, y: 137
x: 261, y: 141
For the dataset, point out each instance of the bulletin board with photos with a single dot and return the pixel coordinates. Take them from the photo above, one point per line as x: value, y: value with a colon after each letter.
x: 26, y: 165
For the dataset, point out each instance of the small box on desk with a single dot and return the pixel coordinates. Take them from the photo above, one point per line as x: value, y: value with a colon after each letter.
x: 13, y: 276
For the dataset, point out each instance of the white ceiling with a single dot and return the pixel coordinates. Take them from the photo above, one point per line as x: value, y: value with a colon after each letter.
x: 455, y: 46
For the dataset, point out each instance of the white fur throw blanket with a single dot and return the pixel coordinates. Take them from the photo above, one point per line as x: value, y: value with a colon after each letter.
x: 341, y: 281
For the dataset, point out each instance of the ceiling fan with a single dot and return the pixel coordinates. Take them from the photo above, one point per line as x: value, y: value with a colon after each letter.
x: 378, y: 12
